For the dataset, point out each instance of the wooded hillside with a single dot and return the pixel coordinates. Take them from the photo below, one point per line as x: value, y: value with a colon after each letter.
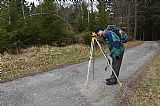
x: 63, y: 22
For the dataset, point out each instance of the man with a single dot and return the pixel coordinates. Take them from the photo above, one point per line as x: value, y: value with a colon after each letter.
x: 116, y: 48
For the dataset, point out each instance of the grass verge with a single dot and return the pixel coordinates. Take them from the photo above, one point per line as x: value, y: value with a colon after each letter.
x: 147, y: 91
x: 40, y: 59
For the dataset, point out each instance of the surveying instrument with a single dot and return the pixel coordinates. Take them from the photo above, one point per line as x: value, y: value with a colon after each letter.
x: 92, y: 59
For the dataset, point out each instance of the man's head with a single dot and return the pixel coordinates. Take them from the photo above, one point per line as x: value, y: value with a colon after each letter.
x: 99, y: 32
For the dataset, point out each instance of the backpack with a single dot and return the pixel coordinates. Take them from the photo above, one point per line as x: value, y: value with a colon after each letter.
x: 120, y: 33
x: 124, y: 37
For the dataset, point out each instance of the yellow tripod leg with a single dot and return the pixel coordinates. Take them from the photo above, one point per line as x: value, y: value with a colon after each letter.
x: 93, y: 55
x: 89, y: 65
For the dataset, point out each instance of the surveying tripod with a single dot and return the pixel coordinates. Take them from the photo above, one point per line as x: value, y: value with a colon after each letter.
x: 92, y: 59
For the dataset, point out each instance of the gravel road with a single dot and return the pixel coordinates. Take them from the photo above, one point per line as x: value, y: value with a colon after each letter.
x: 65, y: 86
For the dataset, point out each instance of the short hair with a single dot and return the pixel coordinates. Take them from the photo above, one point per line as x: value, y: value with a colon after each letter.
x: 98, y: 29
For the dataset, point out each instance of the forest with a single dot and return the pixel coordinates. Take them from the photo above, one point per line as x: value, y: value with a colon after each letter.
x: 64, y: 22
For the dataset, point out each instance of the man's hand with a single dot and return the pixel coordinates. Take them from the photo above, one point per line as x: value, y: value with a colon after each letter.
x: 109, y: 60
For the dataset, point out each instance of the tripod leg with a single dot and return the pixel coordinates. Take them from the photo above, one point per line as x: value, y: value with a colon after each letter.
x: 89, y: 64
x: 102, y: 52
x: 93, y: 60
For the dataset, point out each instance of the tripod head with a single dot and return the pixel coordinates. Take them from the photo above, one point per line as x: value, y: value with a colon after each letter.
x: 93, y: 34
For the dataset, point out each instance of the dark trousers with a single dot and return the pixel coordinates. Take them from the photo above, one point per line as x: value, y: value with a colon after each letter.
x: 116, y: 65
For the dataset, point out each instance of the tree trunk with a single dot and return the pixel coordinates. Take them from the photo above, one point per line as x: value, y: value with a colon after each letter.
x: 81, y: 9
x: 135, y: 24
x: 23, y: 11
x: 9, y: 16
x: 88, y: 15
x: 128, y: 20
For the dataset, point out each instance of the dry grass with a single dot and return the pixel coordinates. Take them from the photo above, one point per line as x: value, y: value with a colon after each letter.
x: 146, y: 91
x: 39, y: 59
x: 132, y: 43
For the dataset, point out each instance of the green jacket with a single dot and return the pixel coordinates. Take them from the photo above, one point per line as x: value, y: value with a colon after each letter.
x: 113, y: 41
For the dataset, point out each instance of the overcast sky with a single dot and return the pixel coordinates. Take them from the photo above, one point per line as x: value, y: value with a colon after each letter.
x: 32, y: 0
x: 67, y: 3
x: 35, y: 1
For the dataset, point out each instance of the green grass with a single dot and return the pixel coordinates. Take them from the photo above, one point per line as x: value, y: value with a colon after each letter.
x: 40, y: 59
x: 157, y: 63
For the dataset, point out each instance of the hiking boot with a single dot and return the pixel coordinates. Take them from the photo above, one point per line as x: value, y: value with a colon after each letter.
x: 111, y: 82
x: 108, y: 79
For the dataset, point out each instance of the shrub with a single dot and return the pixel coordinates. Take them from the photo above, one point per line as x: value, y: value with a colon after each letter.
x: 86, y: 38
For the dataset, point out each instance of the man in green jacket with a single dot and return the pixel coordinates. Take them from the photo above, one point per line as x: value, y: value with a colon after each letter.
x: 116, y: 49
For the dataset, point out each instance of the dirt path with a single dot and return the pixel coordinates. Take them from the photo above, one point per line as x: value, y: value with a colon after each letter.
x: 64, y: 86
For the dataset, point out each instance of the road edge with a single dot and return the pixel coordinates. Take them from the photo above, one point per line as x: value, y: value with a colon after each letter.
x: 124, y: 100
